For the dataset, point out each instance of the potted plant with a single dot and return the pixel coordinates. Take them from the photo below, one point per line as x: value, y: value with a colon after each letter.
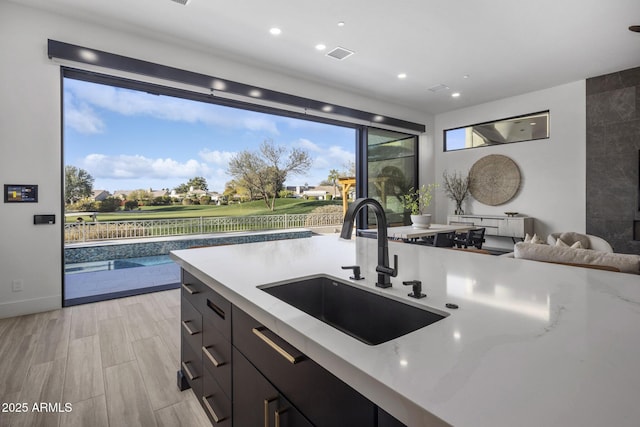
x: 417, y: 201
x: 456, y: 187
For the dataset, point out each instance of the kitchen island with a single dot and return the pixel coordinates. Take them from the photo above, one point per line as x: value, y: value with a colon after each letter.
x: 531, y: 344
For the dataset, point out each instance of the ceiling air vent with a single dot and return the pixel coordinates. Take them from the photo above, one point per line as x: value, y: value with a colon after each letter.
x: 340, y: 53
x: 438, y: 87
x: 182, y: 2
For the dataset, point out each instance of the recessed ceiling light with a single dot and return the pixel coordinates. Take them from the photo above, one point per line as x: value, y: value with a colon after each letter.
x: 341, y: 24
x: 275, y: 31
x: 88, y: 55
x: 455, y: 94
x: 218, y: 85
x: 466, y: 76
x: 378, y: 118
x: 327, y: 108
x: 321, y: 46
x: 255, y: 93
x: 402, y: 75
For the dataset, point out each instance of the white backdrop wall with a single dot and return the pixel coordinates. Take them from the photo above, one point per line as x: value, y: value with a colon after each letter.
x: 553, y: 170
x: 30, y: 133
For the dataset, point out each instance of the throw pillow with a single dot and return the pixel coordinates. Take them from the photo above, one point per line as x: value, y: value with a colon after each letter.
x: 537, y: 240
x: 571, y: 237
x: 575, y: 245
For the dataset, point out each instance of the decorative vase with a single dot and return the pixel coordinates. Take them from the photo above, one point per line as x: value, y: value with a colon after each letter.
x: 459, y: 210
x: 421, y: 221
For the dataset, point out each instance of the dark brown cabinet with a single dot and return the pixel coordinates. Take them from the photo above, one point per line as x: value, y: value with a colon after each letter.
x: 245, y: 375
x: 323, y: 398
x: 257, y: 402
x: 206, y: 348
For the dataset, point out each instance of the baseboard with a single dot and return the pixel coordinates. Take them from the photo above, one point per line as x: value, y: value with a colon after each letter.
x: 30, y: 306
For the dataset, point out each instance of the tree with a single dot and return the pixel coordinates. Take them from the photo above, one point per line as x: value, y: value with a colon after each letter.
x: 333, y: 178
x: 140, y: 195
x: 110, y: 204
x: 78, y: 184
x: 234, y: 188
x: 198, y: 183
x: 264, y: 172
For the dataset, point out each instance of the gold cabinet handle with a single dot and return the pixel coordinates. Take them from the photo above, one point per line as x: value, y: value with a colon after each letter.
x: 185, y: 325
x: 267, y: 402
x: 281, y: 351
x: 189, y: 289
x: 277, y: 415
x: 187, y: 371
x: 211, y: 357
x: 216, y: 418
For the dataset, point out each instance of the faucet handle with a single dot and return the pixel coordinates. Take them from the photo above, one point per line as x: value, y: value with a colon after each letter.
x: 417, y: 288
x: 356, y: 271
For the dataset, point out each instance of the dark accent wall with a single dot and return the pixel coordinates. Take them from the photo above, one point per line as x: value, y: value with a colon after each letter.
x: 613, y: 149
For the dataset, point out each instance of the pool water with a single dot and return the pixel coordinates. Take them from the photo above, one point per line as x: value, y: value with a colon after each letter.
x: 117, y: 264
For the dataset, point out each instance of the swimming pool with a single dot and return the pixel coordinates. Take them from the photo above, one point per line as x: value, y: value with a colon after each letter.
x: 116, y: 264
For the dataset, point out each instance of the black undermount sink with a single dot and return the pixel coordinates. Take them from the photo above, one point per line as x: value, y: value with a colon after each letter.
x: 366, y: 316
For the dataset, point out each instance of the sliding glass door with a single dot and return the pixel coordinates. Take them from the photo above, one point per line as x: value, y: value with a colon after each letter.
x: 391, y: 167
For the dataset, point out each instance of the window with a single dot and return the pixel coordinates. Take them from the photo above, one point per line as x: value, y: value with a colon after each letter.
x: 391, y: 171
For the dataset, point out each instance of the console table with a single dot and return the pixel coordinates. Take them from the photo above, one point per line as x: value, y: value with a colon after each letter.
x: 496, y: 225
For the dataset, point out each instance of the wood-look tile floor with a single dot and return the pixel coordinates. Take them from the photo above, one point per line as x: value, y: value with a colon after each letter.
x: 112, y: 363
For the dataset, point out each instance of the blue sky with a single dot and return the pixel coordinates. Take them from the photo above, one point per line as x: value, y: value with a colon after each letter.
x: 129, y: 140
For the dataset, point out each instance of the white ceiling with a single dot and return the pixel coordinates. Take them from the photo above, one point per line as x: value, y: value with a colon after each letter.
x: 506, y: 47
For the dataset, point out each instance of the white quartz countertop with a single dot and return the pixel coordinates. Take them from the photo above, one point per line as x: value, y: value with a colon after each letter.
x: 532, y: 344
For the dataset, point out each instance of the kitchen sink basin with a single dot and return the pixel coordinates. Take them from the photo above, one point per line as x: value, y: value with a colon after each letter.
x: 366, y: 316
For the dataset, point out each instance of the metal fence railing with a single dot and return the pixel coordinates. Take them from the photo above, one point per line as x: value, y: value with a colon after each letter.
x: 108, y: 230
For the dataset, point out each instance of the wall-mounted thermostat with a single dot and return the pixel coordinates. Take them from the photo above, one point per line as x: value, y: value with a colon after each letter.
x: 20, y: 193
x: 44, y: 219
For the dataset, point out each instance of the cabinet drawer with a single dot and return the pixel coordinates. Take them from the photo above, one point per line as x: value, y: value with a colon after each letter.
x: 257, y: 403
x: 319, y: 395
x: 191, y: 326
x: 193, y: 290
x: 216, y: 356
x: 191, y: 367
x: 216, y: 404
x: 217, y: 310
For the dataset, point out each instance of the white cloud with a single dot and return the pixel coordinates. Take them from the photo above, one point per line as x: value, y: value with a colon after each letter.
x: 260, y: 124
x: 137, y: 167
x: 307, y: 145
x: 130, y: 103
x: 336, y: 152
x: 220, y: 158
x: 81, y: 117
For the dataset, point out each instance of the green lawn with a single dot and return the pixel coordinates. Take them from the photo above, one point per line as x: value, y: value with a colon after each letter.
x: 258, y: 207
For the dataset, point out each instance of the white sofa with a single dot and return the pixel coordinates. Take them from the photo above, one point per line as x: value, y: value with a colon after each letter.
x: 588, y: 241
x: 625, y: 263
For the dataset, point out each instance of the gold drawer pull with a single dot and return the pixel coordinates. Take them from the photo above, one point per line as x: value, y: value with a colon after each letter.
x: 185, y: 325
x: 189, y: 289
x: 216, y: 418
x: 281, y: 351
x: 267, y: 402
x: 187, y: 371
x: 211, y: 357
x: 277, y: 415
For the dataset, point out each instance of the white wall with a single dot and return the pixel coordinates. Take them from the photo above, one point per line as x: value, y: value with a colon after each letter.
x: 30, y: 133
x: 553, y: 171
